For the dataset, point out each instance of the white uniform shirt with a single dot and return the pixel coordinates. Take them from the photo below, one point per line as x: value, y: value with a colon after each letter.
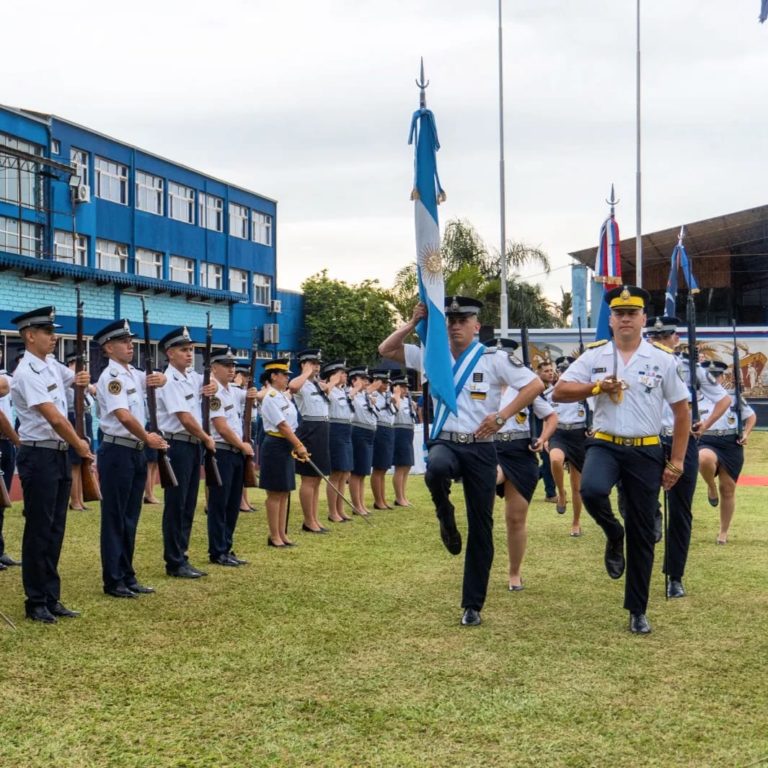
x: 385, y: 415
x: 120, y: 387
x: 35, y: 382
x: 365, y: 409
x: 519, y: 422
x: 406, y: 413
x: 340, y: 408
x: 652, y: 377
x: 728, y: 419
x: 6, y: 403
x: 311, y: 400
x: 227, y: 403
x: 481, y: 393
x: 708, y: 388
x: 277, y: 408
x: 181, y: 394
x: 567, y: 413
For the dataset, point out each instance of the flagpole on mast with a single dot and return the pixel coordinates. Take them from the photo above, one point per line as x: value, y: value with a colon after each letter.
x: 638, y: 178
x: 504, y: 308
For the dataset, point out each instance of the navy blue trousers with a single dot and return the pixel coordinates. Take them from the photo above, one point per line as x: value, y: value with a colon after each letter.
x: 180, y: 502
x: 46, y: 480
x: 7, y: 465
x: 224, y: 503
x: 680, y: 516
x: 475, y: 464
x: 122, y: 475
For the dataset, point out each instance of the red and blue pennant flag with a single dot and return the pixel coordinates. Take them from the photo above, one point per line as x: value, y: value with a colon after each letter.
x: 763, y: 11
x: 607, y: 266
x: 680, y: 261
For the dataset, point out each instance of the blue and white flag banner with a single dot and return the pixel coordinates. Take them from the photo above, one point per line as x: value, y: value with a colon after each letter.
x: 763, y: 10
x: 679, y: 261
x: 427, y: 194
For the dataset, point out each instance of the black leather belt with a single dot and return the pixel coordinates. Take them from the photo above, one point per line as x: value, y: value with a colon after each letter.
x: 508, y: 437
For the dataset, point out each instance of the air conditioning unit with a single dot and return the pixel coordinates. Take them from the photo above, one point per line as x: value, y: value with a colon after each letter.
x: 83, y: 193
x: 271, y: 333
x: 276, y: 306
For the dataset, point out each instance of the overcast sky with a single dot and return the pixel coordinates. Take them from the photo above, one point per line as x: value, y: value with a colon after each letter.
x: 309, y: 102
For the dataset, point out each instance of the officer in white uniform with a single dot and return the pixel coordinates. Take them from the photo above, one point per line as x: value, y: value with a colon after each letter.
x: 340, y: 412
x: 179, y: 418
x: 120, y: 393
x: 405, y: 426
x: 39, y: 397
x: 8, y: 442
x: 663, y: 329
x: 464, y: 447
x: 363, y: 391
x: 630, y: 379
x: 384, y: 440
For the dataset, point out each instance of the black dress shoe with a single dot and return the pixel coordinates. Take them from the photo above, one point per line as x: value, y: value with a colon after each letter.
x: 140, y: 589
x: 471, y: 618
x: 7, y: 560
x: 638, y: 624
x: 183, y: 572
x: 196, y: 570
x: 3, y: 567
x: 271, y: 543
x: 120, y: 591
x: 675, y: 588
x: 58, y: 609
x: 41, y: 613
x: 449, y: 533
x: 614, y: 557
x: 307, y: 529
x: 239, y: 560
x: 225, y: 560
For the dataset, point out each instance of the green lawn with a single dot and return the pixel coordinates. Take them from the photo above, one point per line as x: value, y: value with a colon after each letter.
x: 347, y: 652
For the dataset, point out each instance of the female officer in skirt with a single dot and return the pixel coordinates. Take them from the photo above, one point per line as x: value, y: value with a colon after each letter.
x: 363, y: 434
x: 278, y: 468
x: 405, y: 418
x: 340, y: 411
x: 384, y: 440
x: 721, y: 453
x: 518, y: 469
x: 568, y: 443
x: 76, y: 493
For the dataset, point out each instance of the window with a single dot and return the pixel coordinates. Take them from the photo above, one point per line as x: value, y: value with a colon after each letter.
x: 181, y: 202
x: 67, y: 248
x: 111, y: 256
x: 79, y: 159
x: 55, y: 147
x: 261, y: 228
x: 22, y: 237
x: 19, y: 177
x: 149, y: 193
x: 211, y: 212
x: 181, y: 270
x: 149, y: 263
x: 238, y: 221
x: 111, y: 181
x: 238, y: 280
x: 262, y: 289
x: 211, y: 275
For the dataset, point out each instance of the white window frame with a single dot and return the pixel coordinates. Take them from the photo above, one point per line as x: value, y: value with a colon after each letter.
x: 261, y: 228
x: 80, y: 159
x: 13, y: 181
x: 181, y: 202
x: 111, y: 180
x: 262, y: 289
x: 149, y: 263
x: 181, y: 267
x: 238, y: 221
x: 150, y: 191
x: 66, y: 249
x: 109, y: 252
x: 210, y: 212
x: 211, y: 275
x: 55, y: 147
x: 238, y: 280
x: 22, y: 237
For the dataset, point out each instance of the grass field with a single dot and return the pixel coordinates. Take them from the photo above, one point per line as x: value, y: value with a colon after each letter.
x: 346, y: 651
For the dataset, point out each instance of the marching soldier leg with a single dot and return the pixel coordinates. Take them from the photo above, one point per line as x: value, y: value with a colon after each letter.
x: 680, y: 517
x: 443, y: 465
x: 601, y: 472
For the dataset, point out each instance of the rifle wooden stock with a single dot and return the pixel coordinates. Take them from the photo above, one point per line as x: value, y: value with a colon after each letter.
x: 165, y: 470
x: 212, y: 474
x: 250, y: 476
x: 532, y: 423
x: 91, y: 490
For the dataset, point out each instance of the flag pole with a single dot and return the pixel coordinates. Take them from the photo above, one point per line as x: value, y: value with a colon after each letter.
x: 504, y: 299
x: 638, y: 176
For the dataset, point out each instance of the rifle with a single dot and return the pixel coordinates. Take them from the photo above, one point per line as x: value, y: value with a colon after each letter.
x: 587, y: 409
x: 167, y: 475
x: 737, y: 389
x: 212, y: 475
x: 91, y: 491
x: 534, y: 427
x: 250, y: 478
x: 5, y: 499
x: 693, y: 356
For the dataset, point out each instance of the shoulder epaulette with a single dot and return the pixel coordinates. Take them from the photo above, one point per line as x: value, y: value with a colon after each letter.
x: 272, y: 393
x: 595, y: 344
x: 663, y: 348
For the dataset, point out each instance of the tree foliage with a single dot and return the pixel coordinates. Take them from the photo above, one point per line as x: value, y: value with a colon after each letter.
x: 346, y: 321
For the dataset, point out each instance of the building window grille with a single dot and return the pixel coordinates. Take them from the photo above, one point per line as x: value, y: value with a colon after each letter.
x: 261, y: 228
x: 149, y: 263
x: 211, y: 212
x: 111, y: 257
x: 111, y: 181
x: 149, y: 193
x: 238, y: 221
x: 70, y: 249
x: 262, y: 289
x: 181, y: 270
x: 20, y: 179
x: 238, y: 281
x: 181, y: 202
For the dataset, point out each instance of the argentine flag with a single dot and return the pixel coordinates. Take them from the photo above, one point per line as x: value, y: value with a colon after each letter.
x: 427, y: 194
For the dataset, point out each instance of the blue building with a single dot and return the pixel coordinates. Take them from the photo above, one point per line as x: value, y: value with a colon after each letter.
x: 81, y: 210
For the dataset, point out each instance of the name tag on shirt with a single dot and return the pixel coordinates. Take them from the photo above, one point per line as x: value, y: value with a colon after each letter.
x: 189, y: 396
x: 51, y: 387
x: 599, y: 370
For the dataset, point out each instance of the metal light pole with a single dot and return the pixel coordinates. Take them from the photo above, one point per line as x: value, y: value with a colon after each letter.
x: 638, y: 175
x: 504, y: 320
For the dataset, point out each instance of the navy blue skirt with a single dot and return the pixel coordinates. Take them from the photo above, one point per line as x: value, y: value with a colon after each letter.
x: 278, y: 467
x: 403, y: 456
x: 340, y: 443
x: 362, y: 450
x: 314, y: 436
x: 730, y: 455
x: 383, y: 447
x: 572, y: 442
x: 519, y: 465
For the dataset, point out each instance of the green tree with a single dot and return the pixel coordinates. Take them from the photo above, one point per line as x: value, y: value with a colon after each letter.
x: 346, y: 321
